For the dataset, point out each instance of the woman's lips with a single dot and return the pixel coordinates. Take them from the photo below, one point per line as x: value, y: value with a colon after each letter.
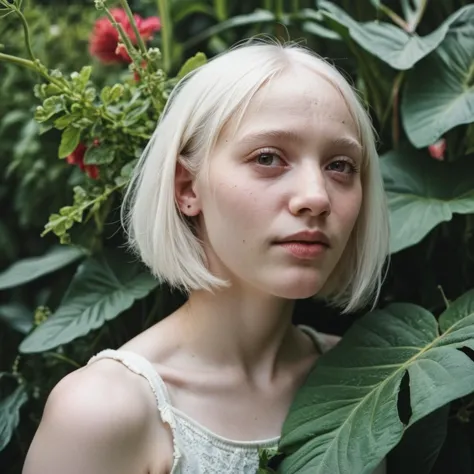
x: 304, y: 250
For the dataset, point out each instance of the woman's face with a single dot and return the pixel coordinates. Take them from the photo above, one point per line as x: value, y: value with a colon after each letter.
x: 287, y: 175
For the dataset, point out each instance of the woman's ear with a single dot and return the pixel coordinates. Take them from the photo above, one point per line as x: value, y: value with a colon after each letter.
x: 186, y: 197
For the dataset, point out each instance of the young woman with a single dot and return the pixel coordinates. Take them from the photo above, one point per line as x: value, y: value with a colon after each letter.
x: 260, y: 186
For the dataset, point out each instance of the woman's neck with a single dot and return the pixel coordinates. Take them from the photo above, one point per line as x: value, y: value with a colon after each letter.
x: 246, y: 332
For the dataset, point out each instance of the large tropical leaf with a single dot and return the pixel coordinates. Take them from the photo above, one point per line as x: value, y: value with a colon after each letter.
x: 423, y: 192
x: 345, y: 420
x: 439, y: 94
x: 391, y: 44
x: 31, y: 268
x: 102, y: 288
x: 10, y: 414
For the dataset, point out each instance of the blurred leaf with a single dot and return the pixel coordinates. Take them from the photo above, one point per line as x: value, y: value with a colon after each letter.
x: 69, y: 140
x: 180, y: 9
x: 102, y: 288
x: 345, y: 419
x: 34, y: 267
x: 439, y: 94
x: 13, y: 117
x: 389, y: 43
x: 17, y: 316
x: 10, y: 414
x: 419, y: 448
x: 423, y: 192
x: 312, y: 20
x: 196, y: 61
x: 257, y: 17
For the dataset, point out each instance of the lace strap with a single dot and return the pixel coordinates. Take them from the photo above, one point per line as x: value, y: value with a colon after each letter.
x: 141, y: 366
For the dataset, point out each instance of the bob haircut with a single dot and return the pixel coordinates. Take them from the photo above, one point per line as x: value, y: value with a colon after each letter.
x: 198, y: 108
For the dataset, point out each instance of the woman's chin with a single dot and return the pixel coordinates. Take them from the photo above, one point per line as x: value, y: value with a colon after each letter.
x: 298, y: 288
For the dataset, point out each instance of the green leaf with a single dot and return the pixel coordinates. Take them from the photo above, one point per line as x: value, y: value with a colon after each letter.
x: 69, y: 140
x: 135, y: 114
x: 316, y: 29
x: 345, y: 420
x: 99, y: 155
x: 439, y: 94
x: 29, y: 269
x: 10, y: 414
x: 17, y: 316
x: 183, y: 8
x: 423, y: 192
x: 396, y: 47
x: 198, y: 60
x: 81, y: 79
x: 102, y: 288
x: 64, y: 121
x: 257, y: 17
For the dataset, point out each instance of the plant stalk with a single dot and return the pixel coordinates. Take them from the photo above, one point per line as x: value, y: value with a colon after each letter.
x: 19, y: 61
x: 128, y: 11
x: 220, y: 7
x: 166, y: 32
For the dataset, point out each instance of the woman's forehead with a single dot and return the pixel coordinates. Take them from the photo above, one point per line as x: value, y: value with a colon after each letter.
x: 298, y: 98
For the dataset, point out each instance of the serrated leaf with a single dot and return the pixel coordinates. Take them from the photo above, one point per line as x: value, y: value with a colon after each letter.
x: 82, y: 78
x: 99, y: 155
x: 29, y: 269
x: 345, y: 419
x: 10, y: 414
x: 198, y: 60
x: 62, y: 122
x: 102, y: 288
x: 69, y: 141
x: 135, y: 114
x: 423, y: 192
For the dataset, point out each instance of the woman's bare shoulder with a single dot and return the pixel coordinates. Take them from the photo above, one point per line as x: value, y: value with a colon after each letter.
x: 97, y: 420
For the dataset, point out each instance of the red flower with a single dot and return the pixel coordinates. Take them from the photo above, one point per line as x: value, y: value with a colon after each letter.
x: 104, y: 41
x: 77, y: 158
x: 438, y: 149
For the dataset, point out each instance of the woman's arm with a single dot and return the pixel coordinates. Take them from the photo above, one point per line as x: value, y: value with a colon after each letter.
x: 95, y: 422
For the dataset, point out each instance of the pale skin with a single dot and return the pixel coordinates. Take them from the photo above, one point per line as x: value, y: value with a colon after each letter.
x: 232, y: 360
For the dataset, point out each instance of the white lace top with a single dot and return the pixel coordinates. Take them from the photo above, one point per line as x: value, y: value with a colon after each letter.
x: 197, y: 450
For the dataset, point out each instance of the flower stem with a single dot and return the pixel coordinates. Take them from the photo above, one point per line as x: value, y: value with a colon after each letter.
x: 20, y: 61
x: 129, y: 13
x: 165, y: 19
x: 26, y: 31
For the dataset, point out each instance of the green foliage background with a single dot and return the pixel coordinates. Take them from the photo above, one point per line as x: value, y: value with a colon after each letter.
x: 412, y: 63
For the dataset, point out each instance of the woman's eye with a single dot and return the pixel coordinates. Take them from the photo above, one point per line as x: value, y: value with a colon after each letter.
x: 343, y: 166
x: 268, y: 159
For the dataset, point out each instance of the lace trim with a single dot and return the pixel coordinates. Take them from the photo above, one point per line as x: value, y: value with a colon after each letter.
x: 221, y: 441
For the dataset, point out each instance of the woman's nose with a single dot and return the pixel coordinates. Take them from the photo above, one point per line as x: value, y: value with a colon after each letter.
x: 310, y: 195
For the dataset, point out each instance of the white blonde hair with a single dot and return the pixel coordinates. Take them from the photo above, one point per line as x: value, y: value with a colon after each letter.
x: 195, y: 114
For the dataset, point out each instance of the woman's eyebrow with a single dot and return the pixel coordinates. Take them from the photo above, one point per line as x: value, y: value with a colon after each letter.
x: 345, y: 142
x: 289, y: 135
